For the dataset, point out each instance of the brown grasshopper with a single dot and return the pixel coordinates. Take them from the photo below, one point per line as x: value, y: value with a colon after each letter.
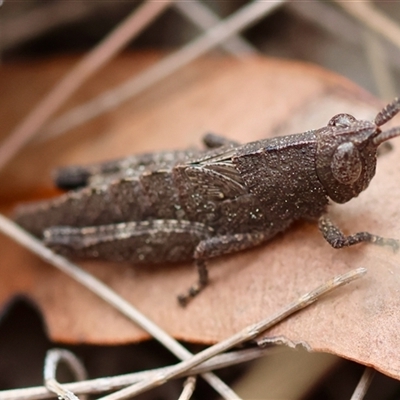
x: 198, y: 204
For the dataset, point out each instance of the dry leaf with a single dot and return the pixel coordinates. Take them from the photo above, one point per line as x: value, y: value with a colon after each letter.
x: 244, y: 101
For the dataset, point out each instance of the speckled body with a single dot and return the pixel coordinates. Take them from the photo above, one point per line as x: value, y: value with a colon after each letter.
x: 199, y: 204
x: 196, y: 195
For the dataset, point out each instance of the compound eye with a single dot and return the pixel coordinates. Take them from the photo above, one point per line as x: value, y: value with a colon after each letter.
x: 346, y: 165
x: 342, y: 120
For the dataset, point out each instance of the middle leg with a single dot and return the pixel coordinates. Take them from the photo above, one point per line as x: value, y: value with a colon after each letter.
x: 214, y: 247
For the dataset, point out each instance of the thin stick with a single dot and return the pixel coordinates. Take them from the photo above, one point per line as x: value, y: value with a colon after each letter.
x: 378, y: 63
x: 373, y: 19
x: 113, y: 98
x: 12, y: 230
x: 108, y: 384
x: 53, y: 358
x: 20, y: 28
x: 340, y: 25
x: 96, y: 58
x: 188, y: 389
x: 363, y: 384
x: 204, y: 18
x: 246, y: 334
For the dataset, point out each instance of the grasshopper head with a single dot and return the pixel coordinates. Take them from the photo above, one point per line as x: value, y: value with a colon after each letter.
x: 346, y: 152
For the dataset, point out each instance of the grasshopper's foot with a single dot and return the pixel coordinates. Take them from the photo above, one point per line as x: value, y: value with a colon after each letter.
x: 380, y: 241
x: 195, y: 289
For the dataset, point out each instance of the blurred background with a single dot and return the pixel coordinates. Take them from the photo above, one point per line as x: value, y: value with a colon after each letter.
x: 359, y: 40
x: 335, y: 35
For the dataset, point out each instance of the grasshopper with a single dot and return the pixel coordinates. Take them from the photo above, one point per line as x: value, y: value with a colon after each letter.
x: 176, y: 206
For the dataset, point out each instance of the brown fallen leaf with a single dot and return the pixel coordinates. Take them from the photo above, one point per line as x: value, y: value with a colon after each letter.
x: 244, y: 101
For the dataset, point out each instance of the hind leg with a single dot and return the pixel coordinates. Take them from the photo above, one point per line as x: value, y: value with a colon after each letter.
x: 144, y: 242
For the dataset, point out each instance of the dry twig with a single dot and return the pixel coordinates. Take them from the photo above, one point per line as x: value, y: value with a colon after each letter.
x: 380, y: 55
x: 53, y: 358
x: 363, y: 384
x: 18, y: 29
x: 95, y: 59
x: 113, y: 98
x: 246, y: 334
x: 189, y: 386
x: 12, y: 230
x: 100, y: 385
x: 375, y: 20
x: 103, y: 291
x: 204, y: 18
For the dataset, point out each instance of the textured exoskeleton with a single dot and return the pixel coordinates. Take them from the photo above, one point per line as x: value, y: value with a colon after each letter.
x: 195, y: 205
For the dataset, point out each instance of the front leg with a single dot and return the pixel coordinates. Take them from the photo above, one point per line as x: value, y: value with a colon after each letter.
x: 218, y: 246
x: 335, y: 237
